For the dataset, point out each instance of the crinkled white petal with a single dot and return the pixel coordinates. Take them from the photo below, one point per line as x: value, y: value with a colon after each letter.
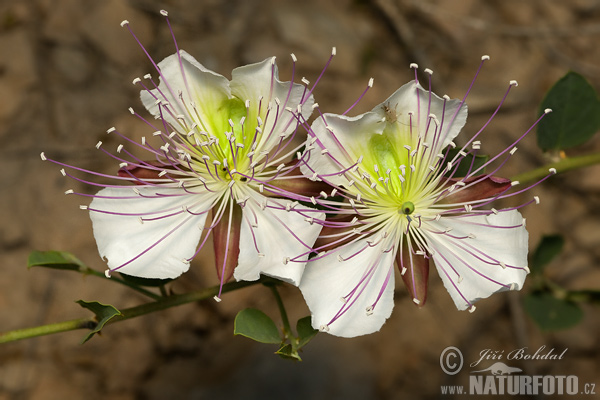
x: 260, y: 81
x: 345, y: 141
x: 198, y: 85
x: 327, y: 280
x: 413, y: 98
x: 152, y: 249
x: 477, y: 262
x: 267, y: 242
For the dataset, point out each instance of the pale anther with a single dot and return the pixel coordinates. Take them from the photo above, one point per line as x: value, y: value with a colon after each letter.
x: 428, y: 71
x: 514, y: 83
x: 514, y: 183
x: 414, y: 65
x: 472, y: 308
x: 416, y: 301
x: 83, y: 207
x: 107, y: 273
x: 217, y: 299
x: 70, y: 191
x: 547, y: 110
x: 124, y: 23
x: 122, y: 165
x: 63, y: 172
x: 485, y: 57
x: 537, y: 199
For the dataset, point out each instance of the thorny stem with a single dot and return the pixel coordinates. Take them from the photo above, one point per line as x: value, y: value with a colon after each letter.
x: 128, y: 313
x: 564, y: 165
x: 287, y: 330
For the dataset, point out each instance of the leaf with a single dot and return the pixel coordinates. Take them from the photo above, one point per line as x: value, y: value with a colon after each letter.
x: 56, y: 260
x: 551, y: 313
x: 575, y: 114
x: 256, y: 325
x: 103, y: 312
x: 464, y: 166
x: 305, y: 331
x: 550, y: 246
x: 287, y: 351
x: 148, y: 282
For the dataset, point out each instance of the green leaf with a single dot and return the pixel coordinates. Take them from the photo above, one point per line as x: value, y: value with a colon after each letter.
x: 550, y: 246
x: 56, y: 260
x: 148, y: 282
x: 103, y: 312
x: 305, y: 331
x: 256, y: 325
x: 287, y: 351
x: 575, y: 114
x: 464, y: 166
x: 551, y: 313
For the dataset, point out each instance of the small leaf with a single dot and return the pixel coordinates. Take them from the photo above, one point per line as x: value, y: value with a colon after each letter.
x: 466, y: 165
x: 550, y: 246
x: 575, y: 114
x: 256, y: 325
x: 305, y: 331
x: 103, y: 312
x: 287, y: 351
x: 551, y: 313
x: 148, y: 282
x: 56, y: 260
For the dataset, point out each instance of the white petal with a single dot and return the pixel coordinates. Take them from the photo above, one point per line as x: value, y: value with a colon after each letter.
x: 411, y: 97
x: 327, y: 280
x: 266, y: 240
x: 205, y: 88
x: 476, y: 260
x: 260, y: 81
x: 345, y: 143
x: 160, y: 245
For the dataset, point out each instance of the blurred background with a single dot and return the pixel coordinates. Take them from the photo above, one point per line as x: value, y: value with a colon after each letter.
x: 66, y: 68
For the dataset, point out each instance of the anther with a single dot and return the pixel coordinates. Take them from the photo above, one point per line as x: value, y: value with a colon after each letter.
x: 370, y: 84
x: 164, y: 13
x: 503, y: 265
x: 122, y: 165
x: 340, y: 258
x: 107, y: 273
x: 414, y: 65
x: 286, y: 260
x: 494, y: 211
x: 513, y: 151
x: 217, y: 299
x: 124, y: 23
x: 324, y: 328
x: 333, y: 51
x: 514, y: 83
x: 131, y: 110
x: 43, y: 156
x: 547, y: 110
x: 485, y: 57
x: 333, y: 192
x: 428, y: 71
x: 527, y: 269
x: 513, y: 286
x: 110, y: 130
x: 416, y: 301
x: 537, y: 199
x: 294, y: 59
x: 403, y: 271
x: 369, y: 310
x: 83, y: 207
x: 472, y: 308
x: 70, y: 191
x: 62, y: 171
x: 514, y: 183
x: 162, y: 173
x: 552, y: 171
x: 136, y: 80
x: 119, y: 148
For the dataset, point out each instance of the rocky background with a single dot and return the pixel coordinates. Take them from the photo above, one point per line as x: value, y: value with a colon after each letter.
x: 65, y: 77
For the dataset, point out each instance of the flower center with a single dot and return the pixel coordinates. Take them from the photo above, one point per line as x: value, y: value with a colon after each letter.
x: 407, y: 208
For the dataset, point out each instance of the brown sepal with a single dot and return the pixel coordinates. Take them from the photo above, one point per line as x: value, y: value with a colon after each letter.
x: 417, y: 269
x: 219, y: 232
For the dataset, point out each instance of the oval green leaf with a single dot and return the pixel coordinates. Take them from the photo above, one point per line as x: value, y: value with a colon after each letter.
x: 575, y: 114
x: 256, y: 325
x: 56, y: 260
x: 551, y: 313
x: 550, y: 246
x: 305, y: 331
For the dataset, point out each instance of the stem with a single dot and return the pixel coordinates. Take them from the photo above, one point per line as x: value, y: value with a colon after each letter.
x: 564, y: 165
x: 153, y: 296
x: 128, y: 313
x: 286, y: 323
